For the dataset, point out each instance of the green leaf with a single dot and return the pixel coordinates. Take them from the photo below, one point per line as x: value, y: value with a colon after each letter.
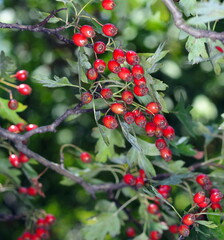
x: 208, y: 224
x: 105, y: 206
x: 145, y: 164
x: 43, y: 15
x: 172, y: 167
x: 7, y: 65
x: 214, y: 218
x: 11, y: 115
x: 105, y: 223
x: 189, y: 6
x: 29, y: 171
x: 176, y: 179
x: 57, y: 82
x: 182, y: 147
x: 221, y: 126
x: 141, y: 237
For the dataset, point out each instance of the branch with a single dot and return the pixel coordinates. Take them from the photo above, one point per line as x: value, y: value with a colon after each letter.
x: 181, y: 24
x: 7, y: 218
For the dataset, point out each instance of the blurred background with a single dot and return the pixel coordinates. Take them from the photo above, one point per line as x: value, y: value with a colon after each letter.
x: 143, y: 25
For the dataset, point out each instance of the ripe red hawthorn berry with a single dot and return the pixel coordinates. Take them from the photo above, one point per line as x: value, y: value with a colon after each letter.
x: 21, y: 75
x: 150, y: 129
x: 166, y: 154
x: 188, y: 219
x: 213, y: 190
x: 140, y: 82
x: 205, y: 203
x: 24, y: 89
x: 79, y: 39
x: 140, y: 91
x: 23, y: 158
x: 129, y: 179
x: 166, y: 188
x: 31, y: 191
x: 219, y: 49
x: 86, y: 97
x: 13, y: 104
x: 202, y: 179
x: 13, y: 128
x: 137, y: 112
x: 21, y: 126
x: 30, y: 127
x: 125, y: 74
x: 22, y: 190
x: 26, y: 236
x: 208, y: 186
x: 130, y: 232
x: 160, y: 143
x: 19, y: 238
x: 42, y: 233
x: 158, y: 132
x: 173, y: 229
x: 85, y: 157
x: 87, y: 31
x: 199, y: 197
x: 129, y: 117
x: 109, y: 30
x: 139, y: 182
x: 110, y: 122
x: 132, y: 58
x: 184, y: 230
x: 34, y: 237
x: 155, y: 235
x: 163, y: 192
x: 50, y: 219
x: 119, y: 55
x: 160, y: 121
x: 138, y: 71
x: 114, y: 66
x: 41, y: 222
x: 153, y: 208
x: 142, y: 173
x: 106, y: 93
x: 127, y: 97
x: 99, y: 65
x: 140, y: 121
x: 118, y: 108
x: 99, y: 47
x: 153, y: 108
x: 216, y: 197
x: 108, y: 4
x: 169, y: 133
x: 14, y: 160
x: 215, y: 206
x: 92, y: 74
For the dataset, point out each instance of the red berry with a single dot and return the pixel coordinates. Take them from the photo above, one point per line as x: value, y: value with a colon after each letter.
x: 130, y: 232
x: 31, y: 126
x: 13, y: 104
x: 142, y: 173
x: 26, y: 236
x: 184, y: 230
x: 42, y: 233
x: 108, y: 4
x: 216, y: 197
x: 106, y: 93
x: 85, y: 157
x: 22, y: 190
x: 163, y: 192
x: 137, y: 112
x: 140, y: 91
x: 110, y: 122
x: 153, y: 208
x: 129, y: 179
x: 219, y: 49
x: 207, y: 187
x: 173, y: 229
x: 202, y: 179
x: 199, y: 197
x: 140, y: 121
x: 86, y: 97
x: 99, y: 47
x: 114, y: 66
x: 160, y: 143
x: 129, y: 117
x: 166, y: 188
x: 24, y: 89
x: 166, y: 154
x: 140, y: 82
x: 14, y: 160
x: 109, y: 29
x: 117, y: 108
x: 79, y: 39
x: 138, y: 71
x: 158, y: 132
x: 92, y: 74
x: 19, y: 238
x: 119, y: 55
x: 160, y: 121
x: 169, y: 133
x: 87, y: 31
x: 21, y: 75
x: 99, y: 65
x: 34, y: 237
x: 139, y: 182
x: 213, y: 190
x: 188, y: 219
x: 41, y: 222
x: 23, y: 158
x: 31, y: 191
x: 125, y: 74
x: 150, y: 129
x: 215, y: 206
x: 127, y: 97
x: 21, y: 127
x: 50, y: 219
x: 205, y: 203
x: 13, y: 128
x: 155, y: 235
x: 132, y: 58
x: 153, y: 108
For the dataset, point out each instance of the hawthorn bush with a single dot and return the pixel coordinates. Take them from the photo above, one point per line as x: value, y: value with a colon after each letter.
x: 94, y: 145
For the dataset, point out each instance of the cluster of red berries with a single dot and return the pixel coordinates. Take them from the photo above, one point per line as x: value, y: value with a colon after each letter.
x: 18, y: 160
x: 164, y: 190
x: 138, y: 181
x: 31, y: 191
x: 85, y: 157
x: 21, y: 127
x: 42, y: 229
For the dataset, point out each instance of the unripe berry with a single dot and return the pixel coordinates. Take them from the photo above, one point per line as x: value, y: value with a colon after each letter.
x: 155, y: 235
x: 87, y: 31
x: 24, y: 89
x: 114, y: 66
x: 153, y: 108
x: 14, y: 160
x: 199, y: 197
x: 139, y: 182
x: 127, y: 97
x: 140, y: 91
x: 202, y: 179
x: 21, y: 75
x: 129, y: 179
x: 99, y: 47
x: 153, y: 208
x: 160, y: 143
x: 85, y: 157
x: 125, y: 74
x: 173, y: 229
x: 140, y: 121
x: 99, y: 65
x: 109, y: 30
x: 50, y: 219
x: 92, y: 74
x: 30, y: 127
x: 13, y: 128
x: 31, y: 191
x: 188, y: 219
x: 86, y: 97
x: 205, y: 203
x: 117, y: 108
x: 108, y: 4
x: 160, y: 121
x: 106, y: 93
x: 129, y: 117
x: 169, y: 133
x: 150, y: 129
x: 110, y: 122
x: 13, y: 104
x: 130, y: 232
x: 140, y: 82
x: 132, y: 58
x: 216, y: 197
x: 166, y: 154
x: 79, y: 39
x: 119, y: 55
x: 184, y: 230
x: 138, y: 71
x: 23, y: 158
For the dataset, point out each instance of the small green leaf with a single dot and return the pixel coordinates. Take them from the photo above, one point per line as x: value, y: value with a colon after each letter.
x: 208, y: 224
x: 176, y: 179
x: 145, y: 164
x: 29, y: 171
x: 189, y: 7
x: 141, y: 237
x: 43, y: 15
x: 7, y: 65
